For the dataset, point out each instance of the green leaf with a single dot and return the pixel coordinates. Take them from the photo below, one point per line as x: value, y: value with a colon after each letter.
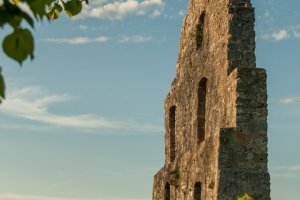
x: 53, y: 14
x: 14, y: 16
x: 14, y: 20
x: 58, y: 7
x: 10, y: 8
x: 50, y: 2
x: 28, y: 19
x: 73, y: 7
x: 38, y: 8
x: 19, y: 45
x: 3, y: 16
x: 2, y: 86
x: 16, y: 1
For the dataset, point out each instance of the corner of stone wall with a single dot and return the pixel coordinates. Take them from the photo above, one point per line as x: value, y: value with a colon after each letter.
x: 251, y: 101
x: 159, y: 184
x: 241, y: 44
x: 243, y: 153
x: 241, y: 168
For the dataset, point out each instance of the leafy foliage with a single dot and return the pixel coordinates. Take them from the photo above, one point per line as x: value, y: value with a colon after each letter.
x: 175, y: 174
x: 245, y: 197
x: 19, y: 45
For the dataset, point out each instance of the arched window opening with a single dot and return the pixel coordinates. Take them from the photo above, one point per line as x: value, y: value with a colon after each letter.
x: 172, y: 122
x: 167, y: 191
x: 197, y: 191
x: 201, y: 109
x: 200, y: 30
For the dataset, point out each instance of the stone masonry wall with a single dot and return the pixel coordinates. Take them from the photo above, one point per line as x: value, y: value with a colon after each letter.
x: 217, y: 74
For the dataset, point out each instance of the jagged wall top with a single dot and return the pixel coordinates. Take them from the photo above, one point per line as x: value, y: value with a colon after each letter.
x: 228, y: 29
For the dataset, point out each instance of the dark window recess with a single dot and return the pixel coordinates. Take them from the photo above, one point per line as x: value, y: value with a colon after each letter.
x: 167, y: 191
x: 200, y: 31
x: 172, y: 122
x: 197, y: 191
x: 201, y: 109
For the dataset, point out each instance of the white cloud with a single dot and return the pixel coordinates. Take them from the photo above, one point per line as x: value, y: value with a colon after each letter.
x: 77, y: 40
x: 280, y: 35
x: 135, y: 39
x: 156, y: 13
x: 285, y: 171
x: 296, y: 34
x: 292, y: 32
x: 32, y: 103
x: 100, y: 39
x: 290, y: 100
x: 118, y: 10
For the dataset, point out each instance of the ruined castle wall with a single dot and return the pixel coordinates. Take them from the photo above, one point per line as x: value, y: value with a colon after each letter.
x: 216, y: 103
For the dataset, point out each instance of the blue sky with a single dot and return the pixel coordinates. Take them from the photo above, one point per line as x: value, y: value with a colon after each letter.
x: 84, y: 120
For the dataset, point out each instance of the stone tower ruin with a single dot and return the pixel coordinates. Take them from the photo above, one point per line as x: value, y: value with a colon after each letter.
x: 216, y: 111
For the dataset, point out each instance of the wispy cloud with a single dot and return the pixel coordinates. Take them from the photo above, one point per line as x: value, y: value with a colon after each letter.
x: 266, y: 16
x: 35, y: 197
x: 15, y: 127
x: 118, y: 10
x: 77, y: 40
x: 288, y: 168
x: 32, y: 103
x: 100, y: 39
x: 83, y: 27
x: 278, y: 35
x: 135, y: 39
x: 292, y: 32
x: 296, y: 34
x: 290, y: 100
x: 29, y: 197
x: 292, y: 171
x: 181, y: 13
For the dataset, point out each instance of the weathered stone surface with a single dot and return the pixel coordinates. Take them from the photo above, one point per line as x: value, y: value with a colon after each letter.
x: 216, y: 111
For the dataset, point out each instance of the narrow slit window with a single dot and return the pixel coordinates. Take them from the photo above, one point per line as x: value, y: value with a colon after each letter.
x: 200, y: 30
x: 201, y: 109
x: 197, y: 191
x: 167, y: 191
x: 172, y: 116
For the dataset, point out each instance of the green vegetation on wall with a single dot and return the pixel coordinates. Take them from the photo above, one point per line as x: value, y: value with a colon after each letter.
x: 245, y: 197
x: 199, y: 35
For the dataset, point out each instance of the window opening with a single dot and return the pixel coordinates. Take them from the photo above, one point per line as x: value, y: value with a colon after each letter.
x: 172, y: 122
x: 167, y: 191
x: 200, y: 30
x: 201, y: 109
x: 197, y: 191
